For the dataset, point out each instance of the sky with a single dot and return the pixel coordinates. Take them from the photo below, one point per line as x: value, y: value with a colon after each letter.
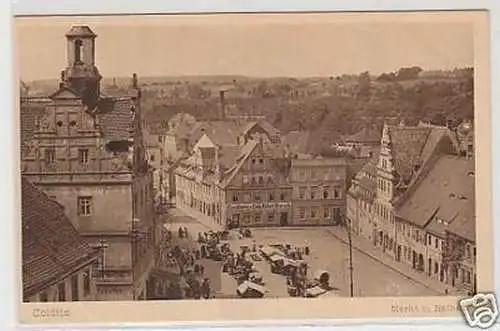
x: 263, y: 46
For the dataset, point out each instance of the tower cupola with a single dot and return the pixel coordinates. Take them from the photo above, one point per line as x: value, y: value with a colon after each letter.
x: 81, y: 74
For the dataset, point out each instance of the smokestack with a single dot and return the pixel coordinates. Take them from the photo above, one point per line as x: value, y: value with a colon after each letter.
x: 134, y: 80
x: 222, y: 104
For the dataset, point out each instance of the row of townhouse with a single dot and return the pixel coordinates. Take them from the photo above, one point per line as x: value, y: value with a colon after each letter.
x: 415, y: 201
x: 256, y: 184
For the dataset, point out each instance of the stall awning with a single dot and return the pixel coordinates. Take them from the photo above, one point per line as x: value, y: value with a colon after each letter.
x: 247, y: 286
x: 315, y: 291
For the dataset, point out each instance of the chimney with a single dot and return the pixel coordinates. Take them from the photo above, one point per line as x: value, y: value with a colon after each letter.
x: 222, y: 104
x: 63, y: 76
x: 449, y: 124
x: 134, y: 80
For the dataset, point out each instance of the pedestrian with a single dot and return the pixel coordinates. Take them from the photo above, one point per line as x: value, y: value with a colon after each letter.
x: 307, y: 250
x: 202, y: 270
x: 205, y: 289
x: 186, y: 234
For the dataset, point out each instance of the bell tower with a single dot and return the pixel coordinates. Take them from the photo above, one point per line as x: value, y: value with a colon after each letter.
x: 81, y: 74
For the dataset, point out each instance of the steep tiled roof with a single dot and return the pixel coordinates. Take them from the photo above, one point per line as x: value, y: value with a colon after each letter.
x: 407, y: 144
x: 438, y: 136
x: 52, y: 247
x: 464, y: 225
x: 269, y: 127
x: 266, y: 126
x: 243, y: 155
x: 31, y: 109
x: 447, y: 192
x: 116, y: 118
x: 220, y: 132
x: 228, y: 155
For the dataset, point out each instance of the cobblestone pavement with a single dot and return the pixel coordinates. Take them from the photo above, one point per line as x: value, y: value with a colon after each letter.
x: 212, y: 268
x: 370, y: 277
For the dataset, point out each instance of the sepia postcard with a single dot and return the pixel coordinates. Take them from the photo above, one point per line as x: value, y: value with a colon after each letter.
x: 223, y: 167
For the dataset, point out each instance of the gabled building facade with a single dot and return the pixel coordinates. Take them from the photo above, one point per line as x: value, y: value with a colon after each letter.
x: 257, y: 188
x: 406, y: 199
x: 86, y: 151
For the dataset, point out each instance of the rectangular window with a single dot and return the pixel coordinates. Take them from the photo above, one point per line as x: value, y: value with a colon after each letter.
x: 326, y: 194
x: 256, y: 196
x: 245, y: 179
x: 326, y: 212
x: 302, y: 213
x: 282, y: 196
x: 246, y: 197
x: 270, y: 218
x: 314, y: 212
x: 302, y: 174
x: 84, y: 206
x: 313, y: 193
x: 50, y: 155
x: 83, y: 156
x: 235, y: 197
x: 436, y: 242
x: 61, y: 292
x: 336, y: 193
x: 74, y: 288
x: 257, y: 218
x: 271, y: 196
x: 302, y: 193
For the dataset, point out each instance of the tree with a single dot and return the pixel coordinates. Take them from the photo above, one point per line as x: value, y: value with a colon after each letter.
x: 408, y: 73
x: 365, y: 85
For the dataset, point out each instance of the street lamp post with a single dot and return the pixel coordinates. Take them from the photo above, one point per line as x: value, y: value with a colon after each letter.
x: 347, y: 224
